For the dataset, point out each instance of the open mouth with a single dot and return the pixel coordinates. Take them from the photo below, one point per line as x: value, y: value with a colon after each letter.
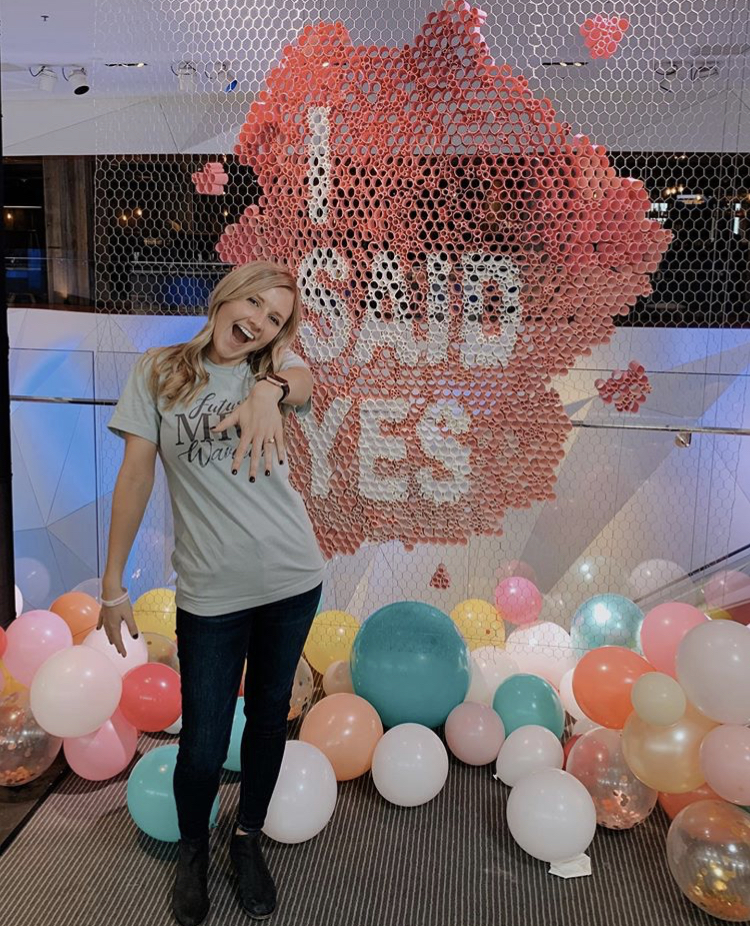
x: 241, y: 335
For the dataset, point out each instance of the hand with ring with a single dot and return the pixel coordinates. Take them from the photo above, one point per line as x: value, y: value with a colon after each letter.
x: 261, y: 423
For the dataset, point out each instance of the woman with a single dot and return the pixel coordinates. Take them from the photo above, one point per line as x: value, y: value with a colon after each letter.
x: 249, y: 569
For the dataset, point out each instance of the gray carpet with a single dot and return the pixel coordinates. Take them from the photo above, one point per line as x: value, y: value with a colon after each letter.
x: 80, y: 860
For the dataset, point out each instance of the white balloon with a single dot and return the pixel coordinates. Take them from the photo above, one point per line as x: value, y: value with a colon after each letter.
x: 583, y: 726
x: 528, y: 749
x: 551, y: 815
x: 410, y: 765
x: 19, y: 601
x: 653, y: 574
x: 568, y: 698
x: 338, y: 678
x: 136, y: 649
x: 75, y: 691
x: 478, y: 688
x: 495, y: 665
x: 305, y: 795
x: 542, y: 648
x: 34, y: 580
x: 175, y: 727
x: 92, y: 587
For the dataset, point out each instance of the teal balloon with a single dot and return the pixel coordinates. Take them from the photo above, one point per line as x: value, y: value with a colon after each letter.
x: 411, y: 663
x: 607, y: 620
x: 529, y: 699
x: 233, y: 762
x: 150, y: 795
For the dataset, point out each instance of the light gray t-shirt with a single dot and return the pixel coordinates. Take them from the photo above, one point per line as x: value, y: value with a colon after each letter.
x: 237, y: 544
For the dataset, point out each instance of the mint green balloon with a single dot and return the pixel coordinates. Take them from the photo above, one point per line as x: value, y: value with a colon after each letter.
x: 411, y: 663
x: 528, y: 699
x: 233, y: 762
x: 150, y: 795
x: 607, y: 620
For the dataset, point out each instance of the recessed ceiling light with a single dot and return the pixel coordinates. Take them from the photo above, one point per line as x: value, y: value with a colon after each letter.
x: 127, y: 64
x: 564, y: 64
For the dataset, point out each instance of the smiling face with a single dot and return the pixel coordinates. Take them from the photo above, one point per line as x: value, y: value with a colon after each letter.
x: 244, y: 326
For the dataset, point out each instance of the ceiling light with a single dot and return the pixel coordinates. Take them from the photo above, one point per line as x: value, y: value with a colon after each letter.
x: 126, y: 64
x: 78, y: 80
x: 187, y: 75
x: 46, y: 78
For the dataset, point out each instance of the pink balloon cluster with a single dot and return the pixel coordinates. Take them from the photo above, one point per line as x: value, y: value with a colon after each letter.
x: 88, y: 697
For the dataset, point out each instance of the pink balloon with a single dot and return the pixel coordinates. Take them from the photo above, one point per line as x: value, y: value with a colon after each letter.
x: 105, y: 752
x: 727, y: 589
x: 515, y: 567
x: 518, y: 600
x: 725, y: 761
x: 662, y: 631
x: 474, y: 733
x: 3, y: 642
x: 32, y: 639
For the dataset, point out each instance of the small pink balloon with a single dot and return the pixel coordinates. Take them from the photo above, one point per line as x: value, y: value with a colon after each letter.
x: 725, y: 761
x: 662, y: 631
x: 474, y: 733
x: 728, y: 589
x: 518, y: 600
x: 32, y: 639
x: 105, y: 752
x: 3, y: 642
x: 515, y: 567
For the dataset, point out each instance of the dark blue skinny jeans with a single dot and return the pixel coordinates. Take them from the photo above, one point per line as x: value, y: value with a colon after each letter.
x: 212, y: 651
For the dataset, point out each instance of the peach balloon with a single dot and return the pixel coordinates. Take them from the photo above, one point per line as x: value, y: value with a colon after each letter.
x: 672, y: 804
x: 662, y: 631
x: 79, y: 611
x: 105, y: 752
x: 725, y: 761
x: 603, y: 681
x: 474, y: 733
x: 32, y: 639
x: 346, y: 729
x: 667, y: 758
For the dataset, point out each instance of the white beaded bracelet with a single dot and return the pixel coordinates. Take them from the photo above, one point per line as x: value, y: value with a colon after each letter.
x: 115, y: 601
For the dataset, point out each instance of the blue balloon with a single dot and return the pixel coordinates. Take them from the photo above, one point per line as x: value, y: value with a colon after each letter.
x: 150, y: 795
x: 528, y: 699
x: 606, y: 620
x: 411, y: 663
x: 233, y: 761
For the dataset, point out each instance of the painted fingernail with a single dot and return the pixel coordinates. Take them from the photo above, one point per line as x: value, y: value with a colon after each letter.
x: 234, y: 472
x: 252, y: 479
x: 281, y: 462
x: 268, y: 472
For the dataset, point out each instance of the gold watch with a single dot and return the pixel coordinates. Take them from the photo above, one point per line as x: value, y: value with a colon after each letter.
x: 276, y: 380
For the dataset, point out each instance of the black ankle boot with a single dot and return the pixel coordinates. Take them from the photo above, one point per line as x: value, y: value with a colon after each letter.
x: 257, y: 890
x: 190, y: 901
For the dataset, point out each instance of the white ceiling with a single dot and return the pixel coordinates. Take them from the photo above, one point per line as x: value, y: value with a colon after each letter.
x: 622, y: 102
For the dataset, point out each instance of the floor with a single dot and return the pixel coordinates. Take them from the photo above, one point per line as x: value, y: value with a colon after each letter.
x: 80, y: 861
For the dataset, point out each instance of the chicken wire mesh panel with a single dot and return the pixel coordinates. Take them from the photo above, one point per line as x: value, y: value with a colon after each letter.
x: 481, y: 208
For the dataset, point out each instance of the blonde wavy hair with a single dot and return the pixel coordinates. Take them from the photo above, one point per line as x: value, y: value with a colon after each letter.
x: 178, y: 373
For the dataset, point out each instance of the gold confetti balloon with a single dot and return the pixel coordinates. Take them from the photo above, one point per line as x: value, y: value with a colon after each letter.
x: 708, y: 850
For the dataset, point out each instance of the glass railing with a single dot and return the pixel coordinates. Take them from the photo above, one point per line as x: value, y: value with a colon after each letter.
x: 651, y: 506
